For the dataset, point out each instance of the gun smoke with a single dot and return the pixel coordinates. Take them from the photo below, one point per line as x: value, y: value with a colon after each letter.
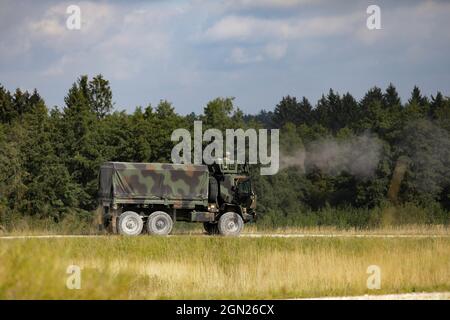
x: 358, y: 156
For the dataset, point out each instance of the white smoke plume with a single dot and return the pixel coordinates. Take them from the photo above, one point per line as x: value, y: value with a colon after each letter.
x: 358, y: 156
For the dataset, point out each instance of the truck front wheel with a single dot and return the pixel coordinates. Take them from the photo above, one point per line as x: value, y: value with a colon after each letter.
x: 230, y: 224
x: 159, y: 223
x: 130, y: 224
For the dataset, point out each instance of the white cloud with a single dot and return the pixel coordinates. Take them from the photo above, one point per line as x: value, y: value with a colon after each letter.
x: 271, y: 4
x: 119, y: 39
x: 97, y: 19
x: 276, y: 51
x: 271, y: 51
x: 235, y: 28
x: 410, y: 25
x: 248, y: 28
x: 270, y: 38
x: 189, y: 50
x: 242, y: 56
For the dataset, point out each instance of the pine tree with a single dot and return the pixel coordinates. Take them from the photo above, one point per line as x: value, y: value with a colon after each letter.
x: 78, y: 142
x: 437, y: 104
x: 417, y: 107
x: 391, y: 98
x: 374, y: 115
x: 100, y: 96
x: 285, y: 111
x: 305, y: 114
x: 7, y: 112
x: 416, y: 96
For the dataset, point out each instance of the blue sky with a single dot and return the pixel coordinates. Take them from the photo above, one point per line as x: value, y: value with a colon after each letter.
x: 257, y: 51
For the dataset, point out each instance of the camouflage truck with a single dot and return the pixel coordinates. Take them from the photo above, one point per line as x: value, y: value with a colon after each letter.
x: 139, y: 197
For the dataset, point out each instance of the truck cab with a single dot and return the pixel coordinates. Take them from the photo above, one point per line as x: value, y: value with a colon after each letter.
x: 235, y: 198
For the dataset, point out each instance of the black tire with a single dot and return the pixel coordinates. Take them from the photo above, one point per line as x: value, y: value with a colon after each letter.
x: 213, y: 190
x: 230, y: 224
x: 130, y: 224
x: 159, y: 223
x: 211, y: 228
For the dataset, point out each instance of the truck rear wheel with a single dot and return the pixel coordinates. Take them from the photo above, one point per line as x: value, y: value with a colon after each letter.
x: 230, y: 224
x: 130, y: 224
x: 211, y: 228
x: 159, y: 223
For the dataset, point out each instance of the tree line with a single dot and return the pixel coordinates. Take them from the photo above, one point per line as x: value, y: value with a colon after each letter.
x: 50, y: 158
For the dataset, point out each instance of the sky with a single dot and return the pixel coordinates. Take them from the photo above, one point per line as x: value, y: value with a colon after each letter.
x: 258, y: 51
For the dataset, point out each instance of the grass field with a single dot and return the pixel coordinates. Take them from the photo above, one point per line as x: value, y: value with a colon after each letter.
x: 72, y: 225
x: 201, y: 267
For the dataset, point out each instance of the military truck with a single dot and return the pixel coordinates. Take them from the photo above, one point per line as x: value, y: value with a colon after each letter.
x: 149, y: 197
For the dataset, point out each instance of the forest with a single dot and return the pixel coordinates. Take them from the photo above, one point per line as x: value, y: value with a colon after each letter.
x: 344, y: 162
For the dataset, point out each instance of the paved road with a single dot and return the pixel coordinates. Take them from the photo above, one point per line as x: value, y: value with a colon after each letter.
x: 50, y: 236
x: 403, y: 296
x: 344, y: 235
x: 250, y: 235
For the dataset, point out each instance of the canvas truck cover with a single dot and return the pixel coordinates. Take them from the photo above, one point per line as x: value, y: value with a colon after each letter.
x: 153, y: 181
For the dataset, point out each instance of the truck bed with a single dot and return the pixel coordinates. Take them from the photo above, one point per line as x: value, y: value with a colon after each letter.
x: 154, y: 183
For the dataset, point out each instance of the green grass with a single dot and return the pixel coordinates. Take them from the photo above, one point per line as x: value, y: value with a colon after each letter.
x: 201, y: 267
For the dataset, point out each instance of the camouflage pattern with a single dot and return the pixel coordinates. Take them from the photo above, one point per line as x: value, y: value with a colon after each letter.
x: 181, y: 185
x: 227, y: 192
x: 226, y: 188
x: 182, y: 189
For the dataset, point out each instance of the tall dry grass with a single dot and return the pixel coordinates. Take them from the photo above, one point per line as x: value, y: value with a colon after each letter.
x: 197, y: 267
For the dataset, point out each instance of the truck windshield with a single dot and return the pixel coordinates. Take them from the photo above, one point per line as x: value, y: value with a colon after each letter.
x: 245, y: 187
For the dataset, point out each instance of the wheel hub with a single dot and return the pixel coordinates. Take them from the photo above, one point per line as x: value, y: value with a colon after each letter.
x: 231, y: 225
x: 130, y: 224
x: 160, y: 224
